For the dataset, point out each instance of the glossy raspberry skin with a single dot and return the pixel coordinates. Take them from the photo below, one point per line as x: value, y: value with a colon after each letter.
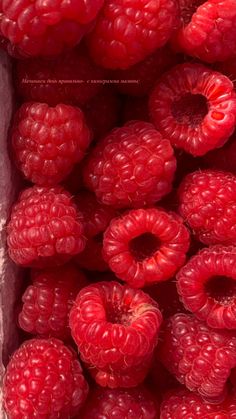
x: 45, y: 28
x: 194, y: 107
x: 145, y: 246
x: 132, y: 167
x: 116, y: 330
x: 44, y: 379
x: 207, y: 201
x: 48, y: 300
x: 48, y: 141
x: 127, y: 32
x: 199, y: 357
x: 45, y: 228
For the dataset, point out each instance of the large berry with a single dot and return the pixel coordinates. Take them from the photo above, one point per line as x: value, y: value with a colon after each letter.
x: 43, y: 379
x: 207, y: 201
x: 48, y: 141
x: 145, y: 246
x: 45, y: 228
x: 194, y: 107
x: 127, y: 32
x: 133, y: 166
x: 199, y: 357
x: 116, y: 330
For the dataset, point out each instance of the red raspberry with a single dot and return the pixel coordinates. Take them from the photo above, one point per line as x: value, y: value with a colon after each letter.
x: 45, y: 229
x: 64, y: 79
x: 207, y: 286
x: 208, y: 29
x: 208, y: 204
x: 223, y: 158
x: 145, y: 246
x: 167, y: 297
x: 199, y: 357
x: 133, y: 166
x: 48, y: 141
x: 135, y: 108
x: 117, y: 404
x: 195, y: 107
x: 116, y: 330
x: 44, y: 27
x: 127, y: 32
x: 48, y: 300
x: 44, y: 379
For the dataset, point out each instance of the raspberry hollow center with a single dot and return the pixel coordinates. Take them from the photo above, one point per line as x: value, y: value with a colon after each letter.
x: 222, y: 289
x: 188, y: 8
x: 116, y: 314
x: 190, y: 109
x: 144, y: 246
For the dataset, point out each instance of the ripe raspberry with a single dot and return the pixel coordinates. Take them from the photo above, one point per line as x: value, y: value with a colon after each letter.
x: 223, y: 158
x: 44, y: 379
x: 208, y: 29
x: 48, y: 141
x: 167, y: 297
x: 45, y: 228
x: 49, y: 299
x: 45, y: 28
x: 195, y: 107
x: 64, y: 79
x: 208, y: 204
x: 199, y: 357
x: 116, y: 330
x: 207, y: 286
x: 117, y: 403
x: 145, y: 246
x: 135, y: 108
x: 133, y: 166
x: 126, y: 33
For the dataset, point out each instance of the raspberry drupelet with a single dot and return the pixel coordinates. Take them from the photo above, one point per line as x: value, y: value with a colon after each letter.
x: 44, y: 379
x: 207, y: 286
x: 45, y: 228
x: 116, y: 329
x: 145, y: 246
x: 194, y: 107
x: 207, y: 202
x: 48, y: 141
x: 48, y: 300
x: 199, y: 357
x: 133, y: 166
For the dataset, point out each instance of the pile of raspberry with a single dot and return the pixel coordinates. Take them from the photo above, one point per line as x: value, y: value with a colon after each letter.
x: 124, y: 138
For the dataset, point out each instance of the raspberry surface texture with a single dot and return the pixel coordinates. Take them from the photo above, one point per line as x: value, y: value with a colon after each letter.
x: 43, y: 380
x: 48, y: 300
x: 116, y: 329
x: 127, y: 32
x: 145, y: 246
x: 133, y: 166
x: 194, y: 107
x: 199, y: 357
x: 45, y: 228
x: 207, y: 202
x: 48, y: 141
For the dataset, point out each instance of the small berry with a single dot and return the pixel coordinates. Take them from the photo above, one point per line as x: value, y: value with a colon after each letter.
x: 43, y: 379
x: 145, y: 246
x: 45, y: 228
x: 194, y: 107
x: 133, y: 166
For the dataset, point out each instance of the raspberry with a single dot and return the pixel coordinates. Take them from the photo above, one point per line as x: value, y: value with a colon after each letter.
x: 45, y: 28
x: 117, y: 403
x: 45, y: 229
x: 48, y: 141
x: 48, y: 300
x: 64, y: 79
x: 207, y: 286
x: 208, y: 204
x: 199, y: 357
x: 133, y: 166
x: 127, y: 32
x: 223, y: 158
x: 194, y: 107
x: 208, y: 29
x: 166, y: 295
x: 135, y: 108
x: 44, y: 379
x: 116, y: 330
x: 145, y: 246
